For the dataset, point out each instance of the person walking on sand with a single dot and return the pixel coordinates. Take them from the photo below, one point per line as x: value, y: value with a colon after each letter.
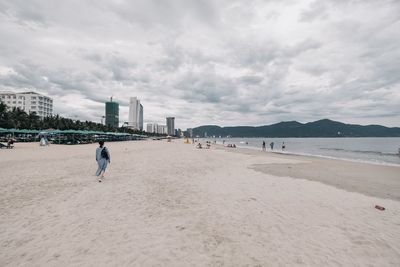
x: 102, y: 158
x: 263, y: 146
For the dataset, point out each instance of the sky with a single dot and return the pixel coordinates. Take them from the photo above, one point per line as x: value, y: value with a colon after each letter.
x: 208, y: 62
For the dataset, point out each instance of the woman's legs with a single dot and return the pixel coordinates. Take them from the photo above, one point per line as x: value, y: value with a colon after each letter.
x: 102, y: 168
x: 99, y: 170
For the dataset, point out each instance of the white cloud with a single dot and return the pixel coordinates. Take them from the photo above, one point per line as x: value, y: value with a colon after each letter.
x: 208, y: 62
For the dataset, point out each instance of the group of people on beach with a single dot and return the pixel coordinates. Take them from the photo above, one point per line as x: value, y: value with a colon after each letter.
x: 229, y: 145
x: 200, y: 146
x: 271, y: 145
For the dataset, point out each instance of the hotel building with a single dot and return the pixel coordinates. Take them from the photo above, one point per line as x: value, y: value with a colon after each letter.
x: 29, y: 102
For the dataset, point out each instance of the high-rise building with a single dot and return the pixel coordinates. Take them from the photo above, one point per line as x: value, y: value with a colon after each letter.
x: 141, y: 117
x: 135, y: 114
x: 150, y: 128
x: 112, y: 114
x: 29, y: 102
x: 156, y: 128
x: 162, y: 129
x: 170, y: 125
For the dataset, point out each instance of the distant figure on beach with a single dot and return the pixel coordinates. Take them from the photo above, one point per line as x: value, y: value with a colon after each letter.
x: 102, y: 158
x: 272, y: 145
x: 283, y: 146
x: 263, y: 146
x: 10, y: 144
x: 44, y: 141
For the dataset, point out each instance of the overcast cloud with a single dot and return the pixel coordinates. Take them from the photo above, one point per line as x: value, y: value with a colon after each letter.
x: 208, y: 62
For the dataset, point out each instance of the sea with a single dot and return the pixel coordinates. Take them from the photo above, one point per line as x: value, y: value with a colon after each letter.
x: 372, y: 150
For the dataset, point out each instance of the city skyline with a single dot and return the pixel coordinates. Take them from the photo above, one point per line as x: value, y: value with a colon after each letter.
x: 225, y: 63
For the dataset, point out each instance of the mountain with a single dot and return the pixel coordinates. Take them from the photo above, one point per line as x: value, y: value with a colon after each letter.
x: 320, y: 128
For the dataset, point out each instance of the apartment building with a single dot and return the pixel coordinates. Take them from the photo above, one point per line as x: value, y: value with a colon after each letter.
x: 28, y: 102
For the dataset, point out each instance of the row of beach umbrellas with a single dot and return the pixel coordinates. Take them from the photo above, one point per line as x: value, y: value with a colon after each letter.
x: 63, y: 132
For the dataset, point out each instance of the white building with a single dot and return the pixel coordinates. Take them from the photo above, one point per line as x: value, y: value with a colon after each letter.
x: 135, y: 114
x: 162, y: 129
x: 155, y: 128
x: 28, y: 102
x: 150, y: 128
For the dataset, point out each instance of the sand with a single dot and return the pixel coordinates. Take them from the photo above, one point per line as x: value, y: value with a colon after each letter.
x: 169, y: 204
x: 371, y: 179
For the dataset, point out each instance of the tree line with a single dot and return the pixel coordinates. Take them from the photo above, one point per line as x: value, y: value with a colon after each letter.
x: 18, y: 119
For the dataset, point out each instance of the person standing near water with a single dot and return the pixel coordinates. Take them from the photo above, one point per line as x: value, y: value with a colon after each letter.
x: 263, y: 146
x: 272, y: 145
x: 283, y: 146
x: 102, y: 158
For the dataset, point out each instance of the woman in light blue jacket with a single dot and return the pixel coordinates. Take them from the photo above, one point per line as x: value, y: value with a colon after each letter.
x: 102, y: 158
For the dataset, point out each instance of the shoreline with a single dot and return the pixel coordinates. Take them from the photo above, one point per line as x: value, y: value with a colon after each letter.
x: 377, y: 180
x: 373, y: 155
x: 318, y: 156
x: 323, y: 157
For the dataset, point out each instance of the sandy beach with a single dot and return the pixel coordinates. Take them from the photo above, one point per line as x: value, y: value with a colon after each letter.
x: 370, y: 179
x: 169, y: 204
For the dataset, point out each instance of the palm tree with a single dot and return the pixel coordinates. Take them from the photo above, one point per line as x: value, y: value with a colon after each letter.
x: 17, y: 118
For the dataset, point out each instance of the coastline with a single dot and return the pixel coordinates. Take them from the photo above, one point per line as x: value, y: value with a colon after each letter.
x: 379, y: 151
x: 377, y: 180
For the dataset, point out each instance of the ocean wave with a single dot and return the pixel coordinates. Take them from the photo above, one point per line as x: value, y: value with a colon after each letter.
x: 374, y: 161
x: 361, y: 151
x: 321, y: 151
x: 369, y: 161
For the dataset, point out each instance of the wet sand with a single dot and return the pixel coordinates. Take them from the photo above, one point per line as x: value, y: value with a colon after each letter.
x: 370, y: 179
